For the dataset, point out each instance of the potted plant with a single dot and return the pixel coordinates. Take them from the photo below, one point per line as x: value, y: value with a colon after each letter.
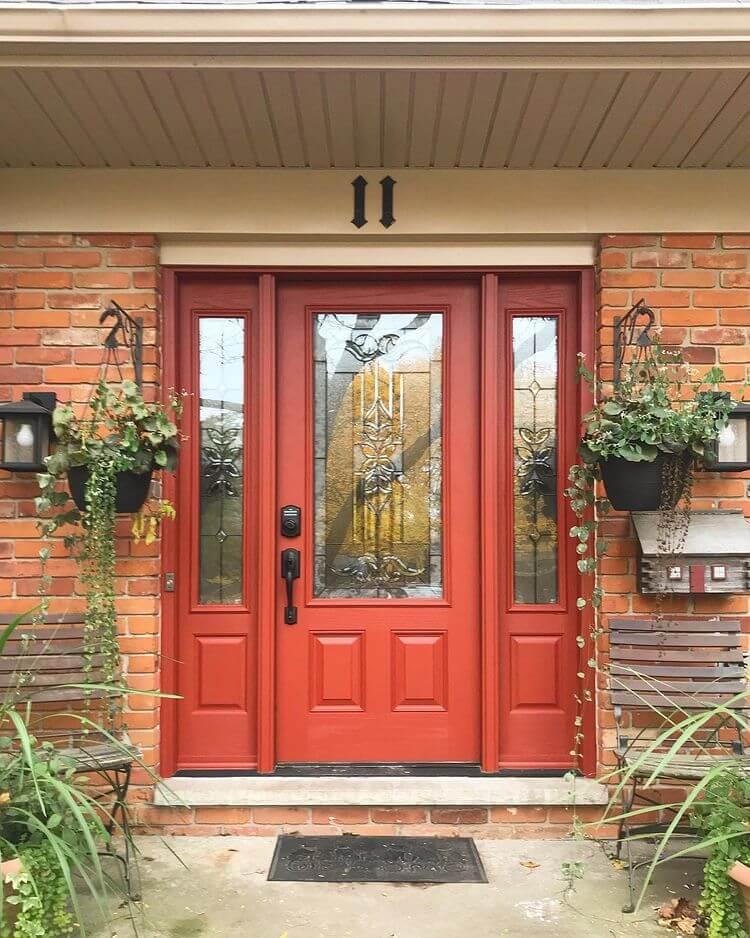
x: 120, y: 437
x: 643, y: 439
x: 108, y: 455
x: 722, y: 818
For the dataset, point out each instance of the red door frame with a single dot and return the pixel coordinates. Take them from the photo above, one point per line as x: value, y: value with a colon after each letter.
x: 267, y: 579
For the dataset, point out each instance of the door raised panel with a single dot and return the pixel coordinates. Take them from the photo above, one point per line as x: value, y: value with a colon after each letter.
x: 420, y: 671
x: 218, y: 656
x: 535, y: 669
x: 337, y: 665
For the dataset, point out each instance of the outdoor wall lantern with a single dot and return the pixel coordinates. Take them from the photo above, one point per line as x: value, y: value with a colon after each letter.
x: 26, y: 429
x: 731, y: 451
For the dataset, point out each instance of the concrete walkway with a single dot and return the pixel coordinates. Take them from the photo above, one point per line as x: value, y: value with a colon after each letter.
x: 222, y: 891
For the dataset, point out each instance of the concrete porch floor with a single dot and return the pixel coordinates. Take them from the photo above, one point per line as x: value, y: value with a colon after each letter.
x: 222, y: 891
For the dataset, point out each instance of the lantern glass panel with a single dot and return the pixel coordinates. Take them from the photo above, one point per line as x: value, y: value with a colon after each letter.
x: 20, y: 440
x: 733, y: 441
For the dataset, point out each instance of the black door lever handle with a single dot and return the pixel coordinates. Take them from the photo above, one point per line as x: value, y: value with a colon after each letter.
x: 290, y: 573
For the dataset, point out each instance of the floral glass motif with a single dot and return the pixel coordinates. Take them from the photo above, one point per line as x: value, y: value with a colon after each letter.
x: 378, y: 455
x: 222, y: 422
x: 535, y: 495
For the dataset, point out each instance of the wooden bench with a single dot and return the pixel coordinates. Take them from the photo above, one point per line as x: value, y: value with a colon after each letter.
x: 661, y: 671
x: 45, y: 665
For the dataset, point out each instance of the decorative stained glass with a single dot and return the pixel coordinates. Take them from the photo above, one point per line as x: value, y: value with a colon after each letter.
x: 222, y: 423
x: 535, y: 535
x: 378, y: 455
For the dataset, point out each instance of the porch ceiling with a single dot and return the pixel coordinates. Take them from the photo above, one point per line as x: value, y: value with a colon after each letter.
x: 521, y: 118
x: 518, y: 86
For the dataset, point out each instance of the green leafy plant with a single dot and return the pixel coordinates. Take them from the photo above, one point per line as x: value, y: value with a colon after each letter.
x: 655, y: 411
x: 723, y: 817
x: 118, y: 432
x: 716, y: 807
x: 48, y: 820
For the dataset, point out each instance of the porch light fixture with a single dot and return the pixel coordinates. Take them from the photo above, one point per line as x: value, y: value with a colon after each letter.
x: 731, y: 451
x: 26, y: 430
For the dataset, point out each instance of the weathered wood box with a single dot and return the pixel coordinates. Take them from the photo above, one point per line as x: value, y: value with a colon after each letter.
x: 715, y: 557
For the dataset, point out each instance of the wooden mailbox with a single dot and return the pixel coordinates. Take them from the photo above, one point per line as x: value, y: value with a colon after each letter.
x: 715, y: 557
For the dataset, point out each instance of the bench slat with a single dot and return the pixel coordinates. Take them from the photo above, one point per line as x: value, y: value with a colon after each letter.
x: 697, y: 655
x: 50, y: 663
x: 676, y: 670
x: 41, y: 679
x: 678, y: 701
x: 675, y: 625
x: 685, y: 687
x: 666, y: 639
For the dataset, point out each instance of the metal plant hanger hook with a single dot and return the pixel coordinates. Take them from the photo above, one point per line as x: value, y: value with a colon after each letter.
x: 625, y: 329
x: 130, y: 332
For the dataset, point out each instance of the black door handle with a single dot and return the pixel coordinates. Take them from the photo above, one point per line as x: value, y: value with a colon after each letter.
x: 289, y: 573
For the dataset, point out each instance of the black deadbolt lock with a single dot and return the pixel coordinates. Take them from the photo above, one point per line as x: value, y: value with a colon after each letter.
x: 291, y: 521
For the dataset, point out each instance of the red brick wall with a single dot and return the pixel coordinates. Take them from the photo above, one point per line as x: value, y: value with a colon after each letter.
x: 53, y: 289
x: 494, y: 822
x: 699, y: 287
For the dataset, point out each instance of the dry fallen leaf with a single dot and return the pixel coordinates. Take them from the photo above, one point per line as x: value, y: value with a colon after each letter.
x: 530, y: 865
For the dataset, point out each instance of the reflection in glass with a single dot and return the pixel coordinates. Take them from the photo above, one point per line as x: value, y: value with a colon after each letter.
x: 222, y: 421
x: 535, y: 459
x: 378, y: 458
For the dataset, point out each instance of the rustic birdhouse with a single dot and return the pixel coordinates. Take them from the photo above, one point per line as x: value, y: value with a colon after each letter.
x: 715, y: 557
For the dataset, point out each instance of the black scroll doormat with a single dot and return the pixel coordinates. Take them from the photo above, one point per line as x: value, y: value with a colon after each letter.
x: 353, y: 859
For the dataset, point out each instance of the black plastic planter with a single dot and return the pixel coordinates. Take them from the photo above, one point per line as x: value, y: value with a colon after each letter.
x: 132, y: 489
x: 634, y: 486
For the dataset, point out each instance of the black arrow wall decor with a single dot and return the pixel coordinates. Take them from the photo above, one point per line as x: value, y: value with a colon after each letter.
x: 359, y: 185
x: 387, y: 218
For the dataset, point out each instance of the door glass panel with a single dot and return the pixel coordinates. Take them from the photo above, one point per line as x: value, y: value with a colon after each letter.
x: 222, y: 421
x: 378, y: 455
x: 535, y: 537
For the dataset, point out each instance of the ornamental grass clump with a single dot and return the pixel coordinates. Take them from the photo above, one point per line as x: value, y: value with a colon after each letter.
x: 50, y: 821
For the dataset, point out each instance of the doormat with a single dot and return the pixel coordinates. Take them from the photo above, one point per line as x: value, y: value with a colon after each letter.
x: 352, y: 859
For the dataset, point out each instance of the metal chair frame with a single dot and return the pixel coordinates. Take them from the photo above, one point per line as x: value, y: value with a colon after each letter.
x: 670, y: 669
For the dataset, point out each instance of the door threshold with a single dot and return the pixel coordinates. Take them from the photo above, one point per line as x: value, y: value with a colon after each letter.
x: 374, y: 770
x: 326, y: 790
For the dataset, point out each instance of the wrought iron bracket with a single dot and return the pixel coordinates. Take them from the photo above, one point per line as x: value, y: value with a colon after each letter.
x: 130, y: 330
x: 625, y: 328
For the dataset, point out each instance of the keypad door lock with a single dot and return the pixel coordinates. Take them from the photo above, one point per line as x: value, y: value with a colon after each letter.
x: 291, y: 521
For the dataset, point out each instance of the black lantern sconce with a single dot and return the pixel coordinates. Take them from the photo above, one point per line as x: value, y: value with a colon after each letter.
x: 730, y: 452
x: 26, y: 432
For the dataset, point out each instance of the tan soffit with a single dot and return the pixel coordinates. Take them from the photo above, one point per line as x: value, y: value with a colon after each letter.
x: 293, y: 87
x: 434, y: 205
x: 320, y: 118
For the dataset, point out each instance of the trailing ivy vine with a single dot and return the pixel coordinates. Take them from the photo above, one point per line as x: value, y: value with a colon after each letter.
x: 117, y: 432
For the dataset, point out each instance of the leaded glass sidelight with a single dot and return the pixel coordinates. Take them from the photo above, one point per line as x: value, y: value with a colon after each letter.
x: 378, y: 455
x: 535, y: 536
x: 222, y: 422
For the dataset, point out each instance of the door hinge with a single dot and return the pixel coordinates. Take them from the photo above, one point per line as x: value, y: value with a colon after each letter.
x: 169, y: 582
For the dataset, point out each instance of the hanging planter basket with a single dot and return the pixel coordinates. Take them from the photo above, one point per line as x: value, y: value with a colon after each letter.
x: 635, y: 486
x: 131, y: 489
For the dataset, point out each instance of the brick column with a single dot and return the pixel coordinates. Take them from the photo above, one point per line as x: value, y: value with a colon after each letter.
x: 53, y: 289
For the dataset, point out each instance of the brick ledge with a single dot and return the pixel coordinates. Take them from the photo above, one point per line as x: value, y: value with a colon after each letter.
x: 264, y: 790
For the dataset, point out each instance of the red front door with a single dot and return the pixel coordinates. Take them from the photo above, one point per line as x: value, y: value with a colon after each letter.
x: 435, y: 603
x: 378, y: 444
